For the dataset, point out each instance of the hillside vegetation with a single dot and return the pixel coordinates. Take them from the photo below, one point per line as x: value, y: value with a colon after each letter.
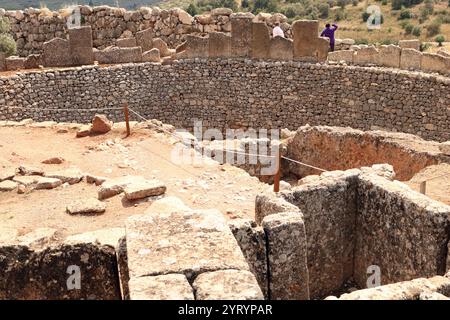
x: 428, y: 20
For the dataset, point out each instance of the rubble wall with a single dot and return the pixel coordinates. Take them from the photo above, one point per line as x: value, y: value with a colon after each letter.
x: 236, y: 93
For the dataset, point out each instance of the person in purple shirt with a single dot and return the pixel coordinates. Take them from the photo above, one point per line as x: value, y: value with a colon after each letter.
x: 328, y: 32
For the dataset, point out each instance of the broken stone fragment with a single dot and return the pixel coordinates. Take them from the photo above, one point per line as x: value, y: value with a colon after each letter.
x: 30, y: 171
x: 38, y: 237
x: 97, y: 180
x: 53, y: 160
x: 145, y: 189
x: 167, y: 204
x: 227, y: 285
x: 163, y: 287
x: 432, y: 296
x: 71, y: 175
x: 109, y: 236
x: 86, y: 206
x: 26, y: 181
x: 8, y: 185
x: 101, y: 124
x: 112, y: 187
x: 83, y: 131
x: 7, y: 173
x: 444, y: 147
x: 47, y: 183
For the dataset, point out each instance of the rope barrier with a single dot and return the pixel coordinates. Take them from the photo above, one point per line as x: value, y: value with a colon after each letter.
x: 64, y: 109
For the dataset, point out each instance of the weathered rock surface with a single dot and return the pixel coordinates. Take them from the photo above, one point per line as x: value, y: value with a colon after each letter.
x: 227, y: 285
x: 47, y: 183
x: 97, y: 180
x: 70, y: 175
x: 7, y: 173
x: 53, y: 160
x: 163, y: 287
x: 101, y: 124
x: 167, y: 205
x: 445, y: 147
x: 8, y: 185
x: 30, y: 171
x: 86, y: 206
x: 112, y: 187
x: 83, y: 131
x: 189, y: 243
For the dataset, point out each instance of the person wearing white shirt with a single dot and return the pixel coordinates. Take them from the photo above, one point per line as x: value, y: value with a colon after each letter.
x: 277, y: 31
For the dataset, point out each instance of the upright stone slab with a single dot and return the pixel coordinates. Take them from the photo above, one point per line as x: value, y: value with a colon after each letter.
x: 432, y: 62
x: 14, y: 63
x: 252, y: 241
x: 341, y: 55
x: 322, y: 46
x: 365, y: 56
x: 410, y: 59
x: 144, y: 39
x: 219, y: 45
x: 183, y: 242
x: 164, y: 287
x: 260, y: 45
x: 56, y: 53
x: 389, y: 56
x: 197, y: 47
x: 126, y: 43
x: 241, y: 35
x: 2, y: 61
x: 81, y: 45
x: 287, y: 256
x: 305, y: 34
x: 33, y: 61
x: 281, y: 49
x: 410, y: 44
x: 227, y: 285
x: 127, y: 55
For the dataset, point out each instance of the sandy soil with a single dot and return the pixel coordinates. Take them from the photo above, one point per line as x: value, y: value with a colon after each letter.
x: 145, y: 153
x: 438, y: 182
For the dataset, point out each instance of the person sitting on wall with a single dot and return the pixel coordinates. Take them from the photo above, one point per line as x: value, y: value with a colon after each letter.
x: 328, y: 32
x: 277, y: 31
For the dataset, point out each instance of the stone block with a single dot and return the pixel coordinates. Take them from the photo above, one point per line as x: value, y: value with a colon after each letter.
x: 341, y: 55
x: 56, y: 53
x: 127, y: 55
x: 260, y: 44
x: 81, y: 45
x: 281, y: 49
x: 2, y: 61
x: 366, y: 56
x: 151, y: 56
x: 108, y: 55
x: 33, y: 61
x: 410, y: 59
x: 267, y: 204
x: 163, y: 287
x: 197, y: 47
x: 161, y: 45
x: 432, y: 62
x: 227, y: 285
x: 144, y: 39
x: 252, y: 241
x: 410, y: 44
x: 305, y: 33
x: 241, y: 35
x: 287, y: 256
x: 126, y: 43
x: 14, y: 63
x: 219, y: 45
x: 389, y: 56
x: 414, y: 229
x: 189, y: 243
x: 323, y: 46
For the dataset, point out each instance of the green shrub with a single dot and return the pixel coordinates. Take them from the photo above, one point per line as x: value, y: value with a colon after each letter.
x: 340, y: 15
x: 365, y: 16
x: 361, y: 41
x: 424, y: 46
x: 405, y: 14
x: 384, y: 2
x: 417, y: 31
x: 4, y: 25
x: 324, y: 10
x: 434, y: 28
x: 409, y: 28
x: 192, y: 9
x: 439, y: 39
x: 7, y: 44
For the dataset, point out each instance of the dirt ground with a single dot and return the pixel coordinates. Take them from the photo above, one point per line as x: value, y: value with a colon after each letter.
x: 145, y: 153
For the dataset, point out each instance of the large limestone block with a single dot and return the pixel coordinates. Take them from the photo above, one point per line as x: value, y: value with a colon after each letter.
x: 145, y: 189
x: 413, y: 226
x: 323, y: 46
x: 241, y: 35
x: 410, y: 59
x: 164, y: 287
x: 219, y: 45
x: 281, y: 49
x: 69, y: 175
x: 389, y: 56
x: 305, y: 33
x: 227, y: 285
x: 410, y: 44
x: 435, y: 63
x: 190, y: 243
x: 115, y: 186
x: 126, y: 42
x: 267, y: 204
x: 287, y: 256
x: 365, y: 56
x: 33, y: 61
x: 260, y: 44
x: 14, y: 63
x: 81, y: 45
x: 151, y: 55
x: 341, y: 55
x: 144, y: 39
x: 127, y: 55
x: 197, y: 47
x: 51, y: 273
x: 7, y: 173
x: 252, y: 241
x: 56, y: 53
x: 86, y: 206
x: 8, y: 185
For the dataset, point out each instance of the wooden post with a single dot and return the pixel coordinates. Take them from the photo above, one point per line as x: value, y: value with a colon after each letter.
x: 276, y: 179
x: 127, y: 120
x: 423, y: 187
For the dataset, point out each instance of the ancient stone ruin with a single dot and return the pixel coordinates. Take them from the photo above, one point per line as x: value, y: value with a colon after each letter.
x: 97, y: 202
